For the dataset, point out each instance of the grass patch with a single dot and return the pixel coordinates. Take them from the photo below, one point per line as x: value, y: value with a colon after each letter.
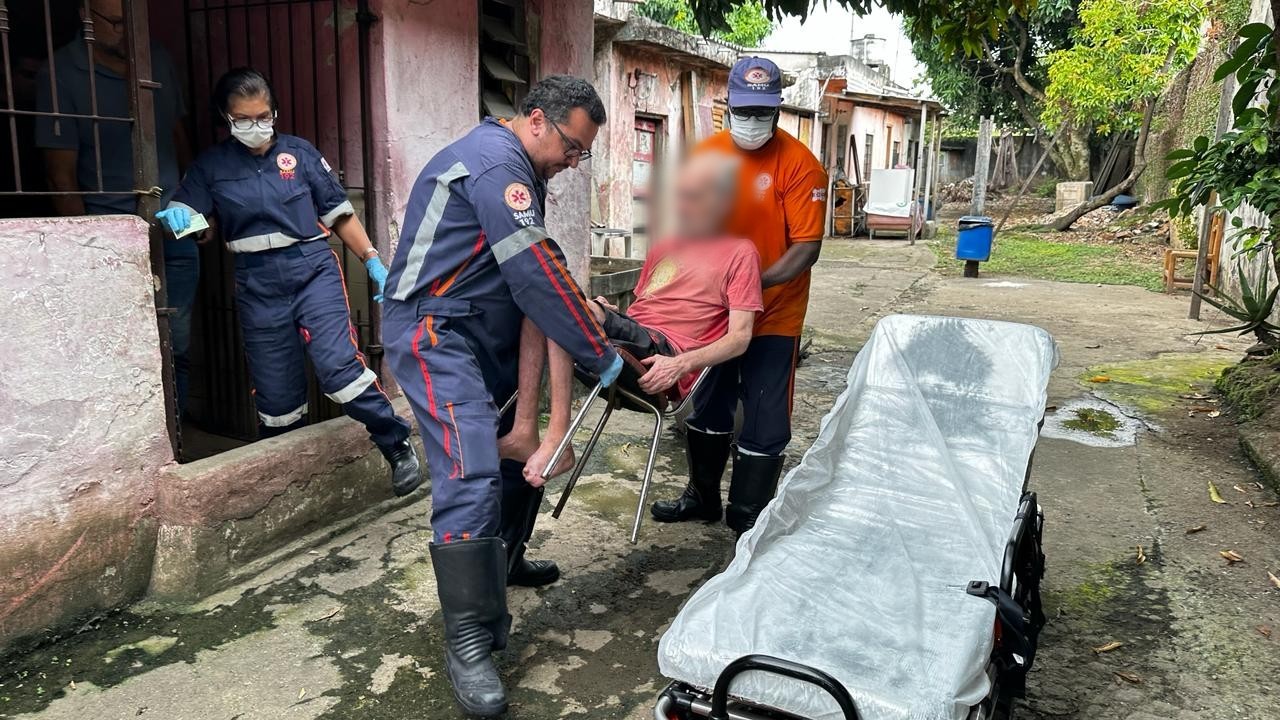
x: 1025, y: 254
x: 1093, y: 420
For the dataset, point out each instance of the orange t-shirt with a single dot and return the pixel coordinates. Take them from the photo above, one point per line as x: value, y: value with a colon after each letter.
x: 782, y: 200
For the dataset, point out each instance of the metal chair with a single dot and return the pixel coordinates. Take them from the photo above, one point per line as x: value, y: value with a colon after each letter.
x: 627, y: 395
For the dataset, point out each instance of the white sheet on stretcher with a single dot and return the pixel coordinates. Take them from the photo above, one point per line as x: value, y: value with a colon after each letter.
x: 859, y: 566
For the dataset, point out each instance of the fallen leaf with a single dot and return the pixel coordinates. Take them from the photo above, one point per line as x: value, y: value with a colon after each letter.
x: 1142, y: 556
x: 1268, y: 504
x: 1092, y: 347
x: 1249, y: 503
x: 1222, y: 347
x: 1214, y: 495
x: 1194, y: 396
x: 1258, y: 485
x: 1239, y: 489
x: 1050, y: 408
x: 1264, y: 631
x: 1113, y: 645
x: 1200, y: 409
x: 1215, y: 413
x: 1099, y: 379
x: 1196, y: 529
x: 1231, y: 556
x: 1274, y: 580
x: 302, y: 692
x: 1127, y: 677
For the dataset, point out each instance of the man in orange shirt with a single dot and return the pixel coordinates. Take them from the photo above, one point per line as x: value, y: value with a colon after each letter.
x: 782, y: 208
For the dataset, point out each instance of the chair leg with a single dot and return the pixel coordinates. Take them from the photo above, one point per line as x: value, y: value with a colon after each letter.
x: 648, y: 475
x: 573, y: 428
x: 582, y: 461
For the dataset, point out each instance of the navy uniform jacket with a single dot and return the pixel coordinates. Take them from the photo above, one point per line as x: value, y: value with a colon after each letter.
x: 474, y: 232
x: 285, y: 196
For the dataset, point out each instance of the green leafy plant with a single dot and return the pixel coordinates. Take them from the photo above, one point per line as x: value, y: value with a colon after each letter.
x: 1241, y: 169
x: 1252, y: 310
x: 744, y: 24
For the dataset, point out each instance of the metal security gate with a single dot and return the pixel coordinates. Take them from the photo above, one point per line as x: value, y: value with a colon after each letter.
x: 315, y: 52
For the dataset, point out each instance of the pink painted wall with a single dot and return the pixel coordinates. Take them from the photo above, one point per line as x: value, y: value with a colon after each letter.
x: 876, y: 122
x: 656, y: 96
x: 82, y: 435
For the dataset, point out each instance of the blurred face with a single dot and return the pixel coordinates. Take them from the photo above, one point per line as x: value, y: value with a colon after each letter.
x: 703, y: 197
x: 559, y: 146
x: 109, y: 25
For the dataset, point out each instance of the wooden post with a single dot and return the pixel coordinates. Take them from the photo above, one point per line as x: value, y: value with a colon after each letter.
x: 981, y: 166
x: 930, y: 163
x: 1206, y: 220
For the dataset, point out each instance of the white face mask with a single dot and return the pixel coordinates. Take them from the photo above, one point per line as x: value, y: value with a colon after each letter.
x: 253, y: 138
x: 750, y: 133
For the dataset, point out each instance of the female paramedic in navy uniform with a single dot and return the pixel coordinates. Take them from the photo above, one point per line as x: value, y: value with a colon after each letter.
x: 276, y: 201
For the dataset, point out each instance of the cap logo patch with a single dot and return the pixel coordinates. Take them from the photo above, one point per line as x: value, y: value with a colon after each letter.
x: 288, y: 165
x: 517, y: 196
x: 757, y: 76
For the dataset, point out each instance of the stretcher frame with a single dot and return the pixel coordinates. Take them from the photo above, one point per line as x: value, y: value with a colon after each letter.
x: 1021, y: 572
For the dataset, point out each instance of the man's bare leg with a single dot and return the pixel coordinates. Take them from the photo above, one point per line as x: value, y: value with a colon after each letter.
x: 561, y: 378
x: 522, y: 440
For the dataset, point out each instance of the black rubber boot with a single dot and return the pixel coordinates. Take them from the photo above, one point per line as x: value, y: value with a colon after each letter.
x: 708, y: 454
x: 754, y: 481
x: 406, y: 470
x: 471, y: 579
x: 520, y: 504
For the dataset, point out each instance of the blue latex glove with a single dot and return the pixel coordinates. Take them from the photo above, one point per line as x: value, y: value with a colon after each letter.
x: 176, y: 219
x: 611, y: 373
x: 378, y: 274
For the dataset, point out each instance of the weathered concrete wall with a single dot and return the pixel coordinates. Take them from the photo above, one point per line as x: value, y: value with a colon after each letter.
x: 82, y: 421
x: 656, y: 95
x: 566, y: 31
x: 873, y: 121
x: 217, y: 515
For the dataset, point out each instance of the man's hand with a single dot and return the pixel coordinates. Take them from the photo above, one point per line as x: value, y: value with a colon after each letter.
x: 604, y: 303
x: 664, y: 371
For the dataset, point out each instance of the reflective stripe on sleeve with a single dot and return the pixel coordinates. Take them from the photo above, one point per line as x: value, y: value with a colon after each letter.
x: 354, y: 388
x: 517, y: 242
x: 426, y: 234
x: 285, y: 420
x: 344, y: 208
x: 270, y: 241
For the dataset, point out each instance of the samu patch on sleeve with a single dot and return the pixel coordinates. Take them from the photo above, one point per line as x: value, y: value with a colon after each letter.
x: 818, y: 195
x: 325, y: 164
x: 517, y: 196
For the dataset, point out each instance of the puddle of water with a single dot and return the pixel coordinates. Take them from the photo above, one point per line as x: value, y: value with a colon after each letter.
x: 1093, y: 422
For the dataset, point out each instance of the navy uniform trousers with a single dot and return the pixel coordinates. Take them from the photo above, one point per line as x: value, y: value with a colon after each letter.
x: 293, y: 301
x: 763, y: 380
x: 457, y: 365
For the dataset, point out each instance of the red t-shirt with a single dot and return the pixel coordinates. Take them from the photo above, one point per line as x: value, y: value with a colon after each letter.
x: 687, y: 288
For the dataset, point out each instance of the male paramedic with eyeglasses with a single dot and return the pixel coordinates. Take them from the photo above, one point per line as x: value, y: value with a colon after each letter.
x: 781, y: 207
x: 474, y: 261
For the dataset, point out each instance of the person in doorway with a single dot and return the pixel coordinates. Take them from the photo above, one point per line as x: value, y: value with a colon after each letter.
x: 782, y: 208
x: 72, y: 150
x: 696, y: 302
x: 267, y: 190
x: 474, y: 260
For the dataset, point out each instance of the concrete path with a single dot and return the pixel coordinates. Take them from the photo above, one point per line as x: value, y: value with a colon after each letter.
x: 350, y: 629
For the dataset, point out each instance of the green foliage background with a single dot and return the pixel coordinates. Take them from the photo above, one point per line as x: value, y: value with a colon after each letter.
x: 746, y: 23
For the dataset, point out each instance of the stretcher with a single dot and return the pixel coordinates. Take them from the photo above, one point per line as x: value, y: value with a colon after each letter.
x: 895, y: 576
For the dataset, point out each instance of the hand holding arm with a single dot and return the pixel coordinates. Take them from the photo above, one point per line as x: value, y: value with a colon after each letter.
x: 665, y: 371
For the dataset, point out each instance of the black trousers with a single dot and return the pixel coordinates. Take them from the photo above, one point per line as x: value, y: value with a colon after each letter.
x: 763, y: 380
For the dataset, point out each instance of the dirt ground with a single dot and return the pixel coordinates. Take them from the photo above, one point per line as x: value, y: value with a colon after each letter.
x: 350, y: 627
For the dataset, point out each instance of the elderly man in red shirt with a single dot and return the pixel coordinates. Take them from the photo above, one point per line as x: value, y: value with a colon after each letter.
x: 696, y: 304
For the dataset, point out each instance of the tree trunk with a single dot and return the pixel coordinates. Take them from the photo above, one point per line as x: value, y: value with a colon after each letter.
x: 1071, y: 154
x: 1139, y: 165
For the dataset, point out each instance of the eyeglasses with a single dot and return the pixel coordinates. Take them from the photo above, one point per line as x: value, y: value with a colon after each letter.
x: 266, y: 123
x: 573, y: 150
x: 754, y: 112
x: 116, y: 24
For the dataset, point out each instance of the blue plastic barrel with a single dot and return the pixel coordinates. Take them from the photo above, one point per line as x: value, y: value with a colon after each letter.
x: 973, y: 238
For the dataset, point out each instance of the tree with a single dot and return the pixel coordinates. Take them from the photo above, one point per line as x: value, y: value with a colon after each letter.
x: 1242, y: 168
x: 1125, y: 54
x: 954, y: 25
x: 745, y: 23
x: 1006, y: 79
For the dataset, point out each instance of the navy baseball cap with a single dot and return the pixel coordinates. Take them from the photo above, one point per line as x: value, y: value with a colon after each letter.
x: 755, y: 82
